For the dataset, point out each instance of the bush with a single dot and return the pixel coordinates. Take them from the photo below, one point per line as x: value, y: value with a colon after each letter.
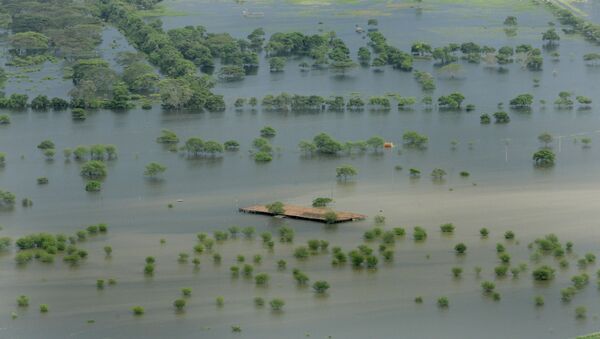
x: 149, y: 269
x: 566, y: 294
x: 399, y: 231
x: 419, y: 300
x: 447, y: 228
x: 78, y: 114
x: 419, y: 234
x: 220, y: 301
x: 504, y: 258
x: 277, y: 304
x: 538, y: 300
x: 501, y: 270
x: 179, y: 304
x: 22, y: 301
x: 235, y: 271
x: 301, y: 252
x: 100, y: 284
x: 543, y: 273
x: 42, y: 181
x: 44, y: 308
x: 248, y: 270
x: 186, y: 291
x: 460, y: 248
x: 590, y: 258
x: 259, y: 302
x: 261, y: 279
x: 580, y: 312
x: 509, y: 235
x: 137, y: 310
x: 300, y: 277
x: 443, y: 302
x: 457, y: 271
x: 320, y: 286
x: 488, y: 286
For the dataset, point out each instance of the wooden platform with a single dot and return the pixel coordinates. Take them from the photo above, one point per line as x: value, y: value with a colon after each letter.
x: 305, y: 213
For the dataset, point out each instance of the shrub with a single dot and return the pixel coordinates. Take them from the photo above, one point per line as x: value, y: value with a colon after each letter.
x: 44, y: 308
x: 186, y: 291
x: 504, y: 257
x: 488, y: 286
x: 456, y: 271
x: 248, y: 270
x: 22, y: 301
x: 538, y: 300
x: 261, y: 279
x: 543, y: 273
x: 281, y: 264
x: 220, y: 301
x: 371, y: 261
x: 300, y: 277
x: 509, y: 235
x: 580, y: 281
x: 399, y: 231
x: 320, y: 286
x: 248, y: 232
x: 460, y: 248
x: 277, y: 304
x: 93, y: 186
x: 137, y: 310
x: 419, y: 300
x: 419, y: 233
x: 501, y: 270
x: 443, y: 302
x: 590, y: 258
x: 259, y: 302
x: 183, y: 258
x: 447, y: 228
x: 149, y: 269
x: 484, y: 232
x: 580, y: 312
x: 179, y: 304
x: 235, y: 271
x: 566, y: 294
x: 100, y: 284
x: 301, y: 252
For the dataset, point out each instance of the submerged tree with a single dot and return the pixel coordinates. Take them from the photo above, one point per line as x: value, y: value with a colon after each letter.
x: 153, y: 169
x: 544, y: 157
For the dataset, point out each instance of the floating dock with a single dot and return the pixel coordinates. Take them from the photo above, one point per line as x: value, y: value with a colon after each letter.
x: 305, y: 213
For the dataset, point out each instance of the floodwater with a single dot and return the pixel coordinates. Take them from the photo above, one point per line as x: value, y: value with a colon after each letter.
x: 504, y: 192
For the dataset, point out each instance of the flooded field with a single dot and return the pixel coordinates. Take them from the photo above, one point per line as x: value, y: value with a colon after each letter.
x: 503, y: 192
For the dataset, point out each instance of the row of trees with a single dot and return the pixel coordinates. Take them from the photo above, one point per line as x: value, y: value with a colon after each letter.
x: 183, y: 88
x: 578, y: 25
x: 285, y: 102
x: 324, y: 144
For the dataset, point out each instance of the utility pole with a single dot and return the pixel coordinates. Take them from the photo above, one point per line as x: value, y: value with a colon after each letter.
x: 506, y: 143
